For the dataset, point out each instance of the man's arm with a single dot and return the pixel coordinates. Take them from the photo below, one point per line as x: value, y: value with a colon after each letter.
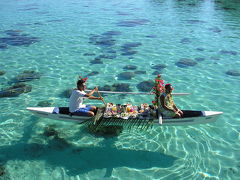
x: 177, y: 110
x: 91, y: 92
x: 93, y: 97
x: 175, y: 107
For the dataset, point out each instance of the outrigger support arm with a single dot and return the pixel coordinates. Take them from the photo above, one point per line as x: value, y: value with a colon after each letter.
x: 138, y: 93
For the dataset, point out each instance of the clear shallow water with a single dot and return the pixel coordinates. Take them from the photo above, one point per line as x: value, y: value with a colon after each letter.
x: 167, y: 31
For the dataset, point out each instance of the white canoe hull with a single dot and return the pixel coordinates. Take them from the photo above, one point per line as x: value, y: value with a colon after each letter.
x: 205, y: 117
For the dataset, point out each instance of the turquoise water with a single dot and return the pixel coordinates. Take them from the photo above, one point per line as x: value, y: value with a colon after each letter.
x: 61, y: 39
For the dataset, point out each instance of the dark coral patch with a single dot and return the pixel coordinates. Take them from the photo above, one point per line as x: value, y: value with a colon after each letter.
x: 185, y: 41
x: 38, y: 23
x: 215, y: 29
x: 130, y: 67
x: 133, y: 23
x: 229, y: 8
x: 56, y: 20
x: 193, y: 21
x: 140, y: 72
x: 19, y: 40
x: 131, y: 45
x: 28, y: 9
x: 233, y: 170
x: 122, y: 87
x: 233, y: 72
x: 191, y: 4
x: 112, y: 33
x: 123, y: 13
x: 111, y: 51
x: 2, y: 73
x: 199, y: 59
x: 45, y: 103
x: 50, y: 131
x: 215, y: 58
x: 93, y: 38
x: 105, y: 88
x: 159, y: 67
x: 229, y: 52
x: 200, y: 49
x: 184, y: 62
x: 106, y: 41
x: 3, y: 46
x: 15, y: 90
x: 151, y: 36
x: 13, y: 32
x: 96, y: 61
x: 27, y: 75
x: 126, y: 75
x: 145, y: 86
x: 2, y: 170
x: 89, y: 54
x: 128, y: 48
x: 93, y: 73
x: 129, y: 53
x: 106, y: 56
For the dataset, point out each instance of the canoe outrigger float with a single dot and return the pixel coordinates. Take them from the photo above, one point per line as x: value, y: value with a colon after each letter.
x: 190, y: 117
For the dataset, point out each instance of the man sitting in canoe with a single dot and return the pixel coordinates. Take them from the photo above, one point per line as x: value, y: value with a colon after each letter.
x: 76, y: 106
x: 167, y: 106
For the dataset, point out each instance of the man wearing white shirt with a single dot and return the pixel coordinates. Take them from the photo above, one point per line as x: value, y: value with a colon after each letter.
x: 76, y: 106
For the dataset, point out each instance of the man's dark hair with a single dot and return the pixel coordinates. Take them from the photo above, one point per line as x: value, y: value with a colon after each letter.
x: 80, y: 82
x: 167, y: 86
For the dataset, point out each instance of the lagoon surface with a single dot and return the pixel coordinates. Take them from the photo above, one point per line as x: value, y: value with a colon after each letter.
x: 47, y: 44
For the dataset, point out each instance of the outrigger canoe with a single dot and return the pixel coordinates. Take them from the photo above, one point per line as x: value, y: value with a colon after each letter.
x: 190, y: 117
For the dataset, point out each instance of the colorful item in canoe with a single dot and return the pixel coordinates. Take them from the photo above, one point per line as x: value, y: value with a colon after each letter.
x: 127, y: 111
x: 158, y: 89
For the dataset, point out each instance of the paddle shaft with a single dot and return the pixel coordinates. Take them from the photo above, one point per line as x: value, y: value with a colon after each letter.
x: 137, y: 93
x: 102, y: 98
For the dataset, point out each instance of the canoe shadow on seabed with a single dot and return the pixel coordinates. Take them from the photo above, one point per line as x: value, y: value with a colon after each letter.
x: 79, y: 160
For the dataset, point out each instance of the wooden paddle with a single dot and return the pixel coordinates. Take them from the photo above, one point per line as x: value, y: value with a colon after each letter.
x: 99, y: 114
x: 102, y: 98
